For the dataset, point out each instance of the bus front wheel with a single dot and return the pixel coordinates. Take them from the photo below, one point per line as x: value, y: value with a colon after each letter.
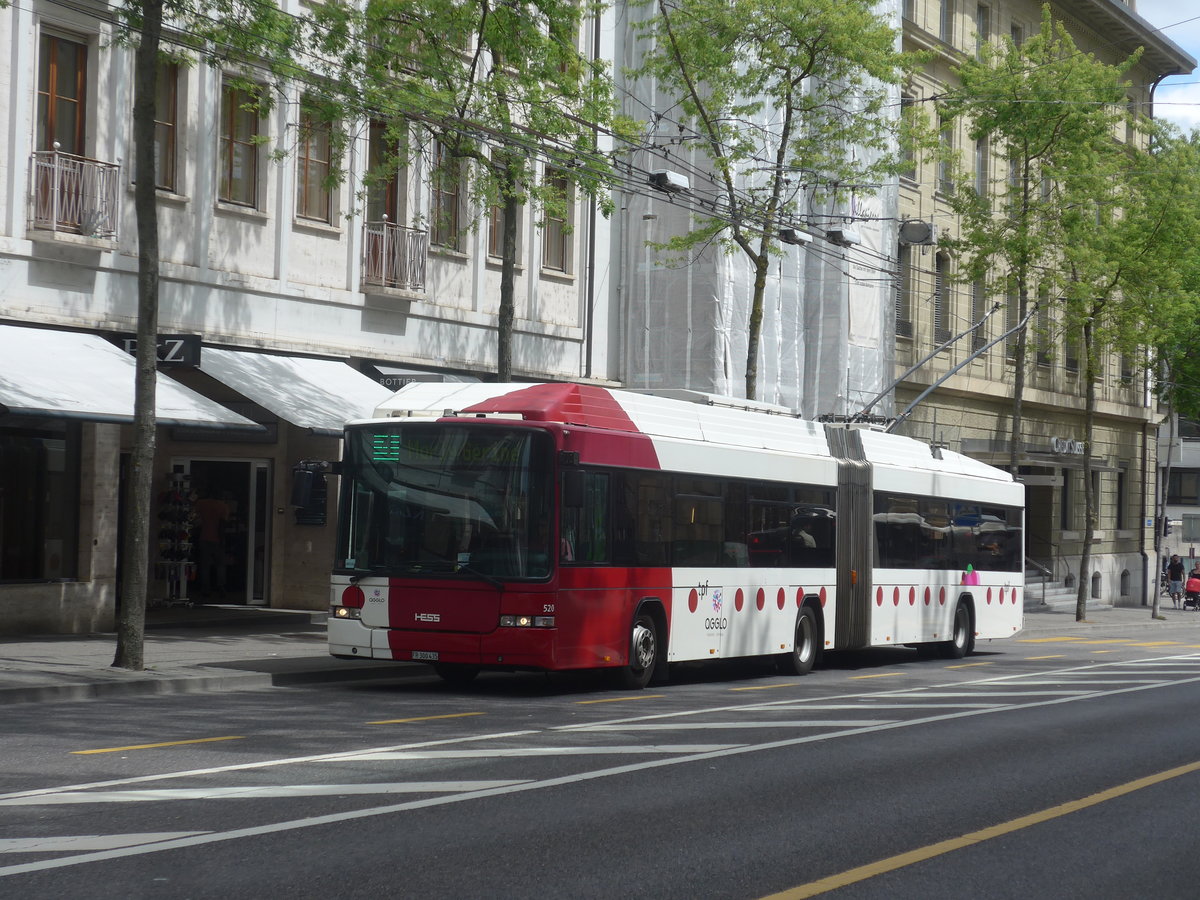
x: 805, y: 647
x: 643, y: 654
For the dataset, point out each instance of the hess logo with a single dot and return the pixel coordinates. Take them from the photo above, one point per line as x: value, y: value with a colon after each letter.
x: 427, y: 617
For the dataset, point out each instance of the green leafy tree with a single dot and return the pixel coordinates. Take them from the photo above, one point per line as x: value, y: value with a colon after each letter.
x: 1014, y: 98
x: 274, y: 45
x: 511, y: 104
x: 790, y: 102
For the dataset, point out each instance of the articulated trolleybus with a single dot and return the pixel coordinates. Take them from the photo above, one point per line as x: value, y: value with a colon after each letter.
x: 566, y: 526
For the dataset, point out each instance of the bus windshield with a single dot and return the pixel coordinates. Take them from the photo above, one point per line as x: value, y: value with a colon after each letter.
x: 469, y: 501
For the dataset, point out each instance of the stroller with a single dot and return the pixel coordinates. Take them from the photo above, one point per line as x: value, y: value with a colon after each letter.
x: 1191, y: 592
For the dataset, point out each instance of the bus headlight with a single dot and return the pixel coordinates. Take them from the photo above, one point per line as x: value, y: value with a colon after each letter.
x: 345, y: 612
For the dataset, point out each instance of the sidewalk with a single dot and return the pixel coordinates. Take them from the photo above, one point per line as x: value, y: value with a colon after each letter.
x: 222, y: 648
x: 187, y: 649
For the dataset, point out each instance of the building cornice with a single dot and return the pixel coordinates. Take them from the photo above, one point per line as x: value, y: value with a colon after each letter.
x: 1126, y: 31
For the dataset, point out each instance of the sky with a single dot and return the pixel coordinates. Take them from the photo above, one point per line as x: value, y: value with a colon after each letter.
x: 1178, y: 97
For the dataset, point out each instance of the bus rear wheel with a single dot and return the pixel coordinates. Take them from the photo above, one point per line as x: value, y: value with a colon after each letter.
x: 456, y: 673
x: 643, y: 654
x: 963, y: 640
x: 805, y: 647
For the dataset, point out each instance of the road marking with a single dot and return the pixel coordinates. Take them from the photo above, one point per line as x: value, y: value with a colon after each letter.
x: 1031, y: 658
x: 687, y: 726
x: 260, y: 792
x: 445, y: 800
x: 425, y: 718
x: 1108, y: 641
x: 163, y: 744
x: 1157, y: 644
x: 84, y: 842
x: 880, y: 675
x: 873, y: 706
x: 969, y: 665
x: 523, y: 752
x: 1047, y: 640
x: 900, y: 861
x: 765, y: 687
x: 620, y: 699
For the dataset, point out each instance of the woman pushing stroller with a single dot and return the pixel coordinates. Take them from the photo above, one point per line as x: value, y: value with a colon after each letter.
x: 1191, y: 589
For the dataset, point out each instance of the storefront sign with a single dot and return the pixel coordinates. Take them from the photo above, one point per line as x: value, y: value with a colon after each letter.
x: 173, y: 349
x: 1066, y: 446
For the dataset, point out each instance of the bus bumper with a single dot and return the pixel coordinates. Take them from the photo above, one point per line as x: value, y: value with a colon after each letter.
x: 531, y: 648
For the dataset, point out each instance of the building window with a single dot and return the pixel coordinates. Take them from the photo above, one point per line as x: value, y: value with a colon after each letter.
x: 39, y: 515
x: 1017, y: 34
x: 383, y: 182
x: 1012, y: 313
x: 1183, y: 488
x: 496, y: 232
x: 62, y: 94
x: 166, y: 126
x: 910, y: 10
x: 978, y: 310
x: 1126, y: 369
x: 1043, y: 329
x: 313, y: 194
x: 945, y: 169
x: 444, y: 199
x: 983, y: 27
x: 908, y: 106
x: 560, y: 217
x: 1071, y: 352
x: 946, y: 21
x: 237, y: 160
x: 904, y: 327
x: 1121, y: 499
x: 982, y: 157
x: 941, y: 299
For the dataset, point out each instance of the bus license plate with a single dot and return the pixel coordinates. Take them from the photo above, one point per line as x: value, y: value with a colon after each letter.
x: 425, y: 654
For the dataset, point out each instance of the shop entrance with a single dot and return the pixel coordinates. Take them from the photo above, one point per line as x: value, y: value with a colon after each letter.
x: 234, y: 494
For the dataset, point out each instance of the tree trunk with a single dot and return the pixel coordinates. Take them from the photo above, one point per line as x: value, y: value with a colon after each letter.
x: 131, y: 621
x: 754, y: 327
x: 1089, y: 495
x: 508, y: 267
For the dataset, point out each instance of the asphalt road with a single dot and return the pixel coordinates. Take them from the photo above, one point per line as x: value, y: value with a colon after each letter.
x: 1050, y: 769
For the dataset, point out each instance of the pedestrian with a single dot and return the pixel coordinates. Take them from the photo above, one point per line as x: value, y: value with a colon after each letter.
x: 1191, y: 588
x: 213, y: 513
x: 1175, y: 580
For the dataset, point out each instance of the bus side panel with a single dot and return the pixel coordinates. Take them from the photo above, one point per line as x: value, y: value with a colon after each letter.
x: 594, y: 612
x: 914, y: 606
x: 722, y: 613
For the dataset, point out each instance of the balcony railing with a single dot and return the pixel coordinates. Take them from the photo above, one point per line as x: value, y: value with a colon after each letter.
x: 75, y: 195
x: 394, y: 256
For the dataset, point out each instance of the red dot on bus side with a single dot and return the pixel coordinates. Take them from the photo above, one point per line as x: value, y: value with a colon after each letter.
x: 823, y: 598
x: 879, y: 596
x: 896, y: 595
x: 912, y: 596
x: 781, y: 598
x: 1001, y: 596
x: 942, y: 597
x: 739, y: 600
x: 760, y: 598
x: 693, y: 600
x: 928, y: 596
x: 989, y: 597
x: 799, y: 597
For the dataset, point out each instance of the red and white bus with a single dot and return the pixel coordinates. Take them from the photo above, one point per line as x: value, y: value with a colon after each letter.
x: 567, y: 526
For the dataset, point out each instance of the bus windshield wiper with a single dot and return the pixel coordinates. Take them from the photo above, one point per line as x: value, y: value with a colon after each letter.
x: 445, y: 566
x: 482, y: 576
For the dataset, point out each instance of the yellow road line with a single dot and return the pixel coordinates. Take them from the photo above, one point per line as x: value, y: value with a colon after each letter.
x: 1104, y: 651
x: 862, y: 873
x: 1055, y: 656
x: 765, y: 687
x: 1046, y: 640
x: 1110, y: 641
x: 237, y: 737
x: 619, y: 699
x: 424, y: 718
x: 1157, y: 644
x: 880, y: 675
x: 969, y: 665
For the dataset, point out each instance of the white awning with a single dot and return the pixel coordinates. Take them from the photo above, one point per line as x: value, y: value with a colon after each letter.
x: 82, y: 376
x: 319, y: 394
